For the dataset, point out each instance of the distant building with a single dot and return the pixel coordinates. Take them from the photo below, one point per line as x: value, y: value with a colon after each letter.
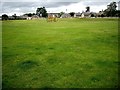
x: 29, y: 18
x: 77, y: 14
x: 93, y: 14
x: 65, y: 15
x: 86, y: 14
x: 100, y: 14
x: 24, y: 16
x: 54, y: 14
x: 35, y: 17
x: 11, y: 18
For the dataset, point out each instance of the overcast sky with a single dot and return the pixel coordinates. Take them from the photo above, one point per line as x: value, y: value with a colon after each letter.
x: 20, y: 7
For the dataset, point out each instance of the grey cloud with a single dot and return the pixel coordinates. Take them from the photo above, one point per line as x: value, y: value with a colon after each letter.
x: 97, y: 2
x: 27, y: 6
x: 13, y: 6
x: 119, y: 5
x: 41, y: 0
x: 57, y: 4
x: 17, y: 4
x: 35, y: 4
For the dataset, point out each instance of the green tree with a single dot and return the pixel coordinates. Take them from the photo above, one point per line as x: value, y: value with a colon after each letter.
x: 92, y: 15
x: 41, y: 12
x: 4, y: 17
x: 118, y: 13
x: 60, y: 14
x: 15, y: 16
x: 111, y: 9
x: 72, y: 14
x: 29, y: 14
x: 88, y: 9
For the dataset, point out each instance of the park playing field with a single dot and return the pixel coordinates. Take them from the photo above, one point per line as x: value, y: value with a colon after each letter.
x: 69, y: 53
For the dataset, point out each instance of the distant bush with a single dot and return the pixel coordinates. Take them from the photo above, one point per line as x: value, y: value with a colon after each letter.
x: 4, y: 17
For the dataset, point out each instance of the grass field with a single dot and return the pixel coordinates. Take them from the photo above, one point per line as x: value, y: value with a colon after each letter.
x: 70, y: 53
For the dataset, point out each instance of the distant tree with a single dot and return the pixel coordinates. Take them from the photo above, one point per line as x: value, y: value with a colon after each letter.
x: 33, y: 14
x: 41, y: 12
x: 111, y: 9
x: 102, y: 15
x: 4, y: 17
x: 118, y: 13
x: 92, y: 15
x: 72, y: 14
x: 15, y: 16
x: 61, y: 13
x: 29, y: 14
x: 88, y: 9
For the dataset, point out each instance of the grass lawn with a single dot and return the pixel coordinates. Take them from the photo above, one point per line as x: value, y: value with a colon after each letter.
x: 70, y: 53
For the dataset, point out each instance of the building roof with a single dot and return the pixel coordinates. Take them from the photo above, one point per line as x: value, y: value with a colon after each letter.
x: 35, y: 16
x: 66, y: 15
x: 77, y: 14
x: 86, y: 13
x: 11, y: 17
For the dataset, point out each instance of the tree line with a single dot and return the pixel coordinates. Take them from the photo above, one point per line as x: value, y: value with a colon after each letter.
x: 111, y: 11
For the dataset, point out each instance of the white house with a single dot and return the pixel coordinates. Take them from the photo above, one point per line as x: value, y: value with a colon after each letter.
x: 54, y: 14
x: 29, y: 18
x: 66, y: 15
x: 77, y: 14
x: 35, y: 17
x: 86, y: 14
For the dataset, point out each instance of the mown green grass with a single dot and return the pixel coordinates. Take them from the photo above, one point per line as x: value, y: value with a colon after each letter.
x: 70, y: 53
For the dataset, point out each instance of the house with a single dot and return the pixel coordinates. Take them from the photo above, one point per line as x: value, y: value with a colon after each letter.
x: 66, y: 15
x: 22, y: 17
x: 54, y: 14
x: 26, y: 17
x: 29, y: 18
x: 35, y: 17
x: 11, y: 18
x: 93, y: 14
x: 77, y: 14
x: 100, y: 14
x: 86, y: 14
